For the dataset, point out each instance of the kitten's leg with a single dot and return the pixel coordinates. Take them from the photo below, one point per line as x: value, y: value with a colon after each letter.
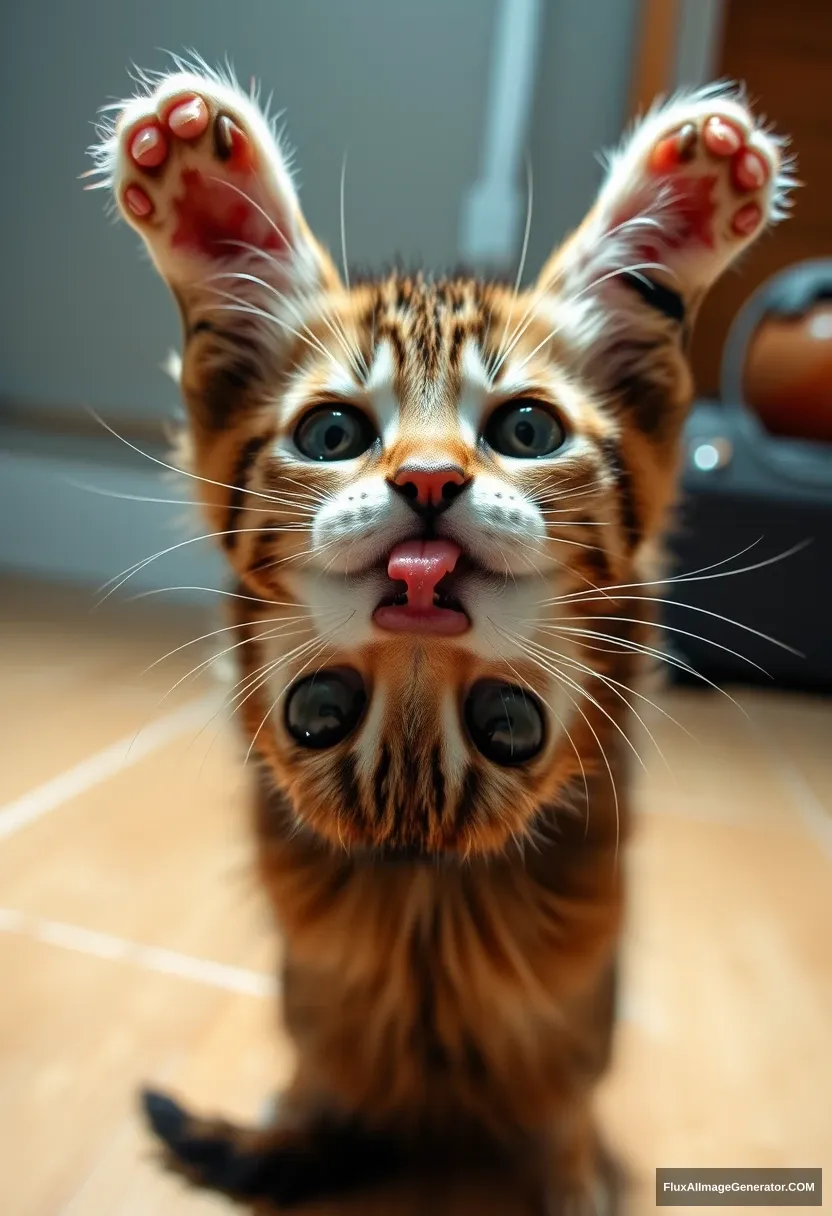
x: 295, y: 1160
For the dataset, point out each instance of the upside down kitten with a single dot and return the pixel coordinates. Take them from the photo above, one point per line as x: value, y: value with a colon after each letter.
x: 441, y: 500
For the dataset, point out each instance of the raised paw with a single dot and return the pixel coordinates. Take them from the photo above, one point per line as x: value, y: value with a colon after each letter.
x: 695, y: 182
x: 196, y: 170
x: 701, y: 179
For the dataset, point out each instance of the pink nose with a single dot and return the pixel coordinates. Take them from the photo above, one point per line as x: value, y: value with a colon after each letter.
x: 430, y: 488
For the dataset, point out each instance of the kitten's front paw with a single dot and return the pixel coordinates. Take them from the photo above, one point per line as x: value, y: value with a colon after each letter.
x: 699, y: 179
x: 193, y: 169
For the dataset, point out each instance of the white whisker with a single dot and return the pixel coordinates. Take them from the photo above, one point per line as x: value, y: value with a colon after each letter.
x: 172, y: 468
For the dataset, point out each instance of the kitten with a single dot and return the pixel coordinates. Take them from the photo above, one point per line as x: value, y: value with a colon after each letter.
x: 441, y: 501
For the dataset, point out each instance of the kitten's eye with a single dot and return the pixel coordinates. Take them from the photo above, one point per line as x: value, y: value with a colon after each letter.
x: 505, y: 722
x: 322, y: 709
x: 525, y: 430
x: 334, y: 433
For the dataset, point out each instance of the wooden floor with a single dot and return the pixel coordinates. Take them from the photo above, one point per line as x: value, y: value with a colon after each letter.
x: 133, y: 947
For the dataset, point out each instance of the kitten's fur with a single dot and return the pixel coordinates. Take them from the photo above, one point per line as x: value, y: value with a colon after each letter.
x: 450, y: 923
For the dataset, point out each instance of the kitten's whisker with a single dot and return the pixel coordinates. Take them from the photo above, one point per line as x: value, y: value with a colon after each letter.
x: 307, y: 554
x: 223, y: 181
x: 656, y: 599
x: 615, y: 687
x: 288, y: 303
x: 521, y: 680
x: 574, y: 523
x: 324, y: 643
x: 353, y: 353
x: 227, y: 629
x: 561, y: 495
x: 247, y: 641
x: 182, y: 679
x: 343, y: 223
x: 564, y: 681
x: 661, y: 656
x: 173, y: 468
x: 320, y: 495
x: 213, y: 591
x: 696, y: 575
x: 254, y: 599
x: 518, y: 331
x: 518, y: 639
x: 253, y: 682
x: 119, y: 579
x: 584, y: 290
x: 524, y: 250
x: 634, y: 692
x: 186, y: 502
x: 250, y: 683
x: 238, y: 305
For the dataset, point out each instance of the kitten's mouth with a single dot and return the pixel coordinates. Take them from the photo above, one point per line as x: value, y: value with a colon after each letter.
x: 422, y: 601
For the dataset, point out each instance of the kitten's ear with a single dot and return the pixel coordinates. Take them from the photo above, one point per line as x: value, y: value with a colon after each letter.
x: 690, y: 189
x: 197, y: 170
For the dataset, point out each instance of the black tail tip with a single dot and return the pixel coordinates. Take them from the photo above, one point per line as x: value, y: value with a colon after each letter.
x: 166, y: 1117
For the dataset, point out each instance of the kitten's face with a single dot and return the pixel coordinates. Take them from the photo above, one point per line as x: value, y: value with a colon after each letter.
x: 450, y: 500
x: 430, y: 491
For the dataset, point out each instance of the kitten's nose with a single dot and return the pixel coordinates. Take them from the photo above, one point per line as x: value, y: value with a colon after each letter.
x: 429, y: 489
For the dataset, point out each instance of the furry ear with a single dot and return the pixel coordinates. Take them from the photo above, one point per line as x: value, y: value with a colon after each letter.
x: 693, y: 185
x: 196, y: 169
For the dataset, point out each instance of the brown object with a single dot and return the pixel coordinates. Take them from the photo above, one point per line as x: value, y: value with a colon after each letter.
x: 782, y: 52
x: 787, y: 378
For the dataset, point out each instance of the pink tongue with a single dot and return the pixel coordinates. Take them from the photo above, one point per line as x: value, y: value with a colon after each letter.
x: 421, y: 564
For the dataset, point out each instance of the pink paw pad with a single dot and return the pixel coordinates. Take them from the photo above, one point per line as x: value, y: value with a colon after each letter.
x: 747, y: 219
x: 137, y: 201
x: 148, y: 147
x: 749, y: 170
x: 721, y: 136
x: 188, y: 118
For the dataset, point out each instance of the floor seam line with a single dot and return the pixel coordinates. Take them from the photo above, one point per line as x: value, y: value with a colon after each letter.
x: 101, y: 766
x: 159, y: 960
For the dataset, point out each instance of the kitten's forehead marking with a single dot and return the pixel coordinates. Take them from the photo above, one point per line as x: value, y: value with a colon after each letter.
x: 430, y: 397
x: 380, y: 389
x: 473, y: 392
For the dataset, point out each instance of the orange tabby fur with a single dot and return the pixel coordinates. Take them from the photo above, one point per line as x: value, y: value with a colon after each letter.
x: 450, y: 926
